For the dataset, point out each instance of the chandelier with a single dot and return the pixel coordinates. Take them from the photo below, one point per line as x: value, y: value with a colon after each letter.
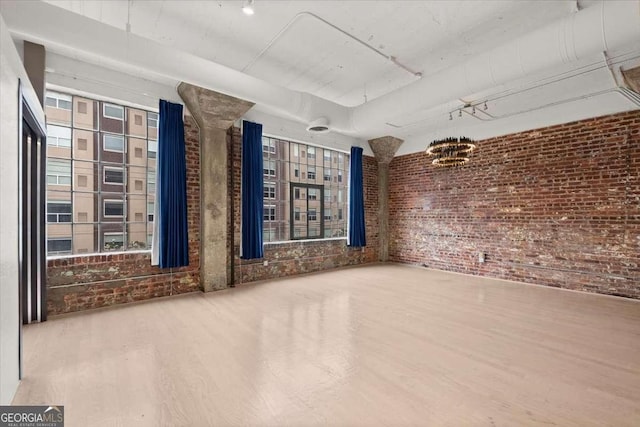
x: 451, y: 151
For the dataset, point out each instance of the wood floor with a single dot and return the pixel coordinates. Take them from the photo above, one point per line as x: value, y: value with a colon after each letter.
x: 385, y: 345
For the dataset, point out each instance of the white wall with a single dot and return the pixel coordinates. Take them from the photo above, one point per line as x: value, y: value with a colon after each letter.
x: 10, y: 70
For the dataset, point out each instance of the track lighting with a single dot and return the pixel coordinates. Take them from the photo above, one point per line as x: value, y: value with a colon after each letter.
x: 485, y: 105
x: 248, y: 7
x: 450, y: 116
x: 460, y: 112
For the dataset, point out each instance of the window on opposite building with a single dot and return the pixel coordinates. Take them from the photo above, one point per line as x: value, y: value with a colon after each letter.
x: 97, y: 197
x: 59, y: 211
x: 59, y: 246
x: 58, y: 100
x: 296, y: 206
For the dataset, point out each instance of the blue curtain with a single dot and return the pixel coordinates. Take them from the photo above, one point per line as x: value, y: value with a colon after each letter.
x: 171, y: 191
x: 356, y: 227
x: 252, y: 190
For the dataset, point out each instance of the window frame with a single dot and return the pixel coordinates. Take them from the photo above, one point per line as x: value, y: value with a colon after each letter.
x: 57, y: 214
x: 104, y: 111
x: 58, y: 253
x: 104, y: 143
x: 104, y: 208
x: 118, y: 168
x: 70, y: 176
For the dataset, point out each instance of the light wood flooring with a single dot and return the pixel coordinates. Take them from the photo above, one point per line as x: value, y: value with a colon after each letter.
x: 382, y: 345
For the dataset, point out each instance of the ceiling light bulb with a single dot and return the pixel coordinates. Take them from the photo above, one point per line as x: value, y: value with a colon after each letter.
x: 485, y: 105
x: 450, y: 116
x: 460, y: 113
x: 248, y: 7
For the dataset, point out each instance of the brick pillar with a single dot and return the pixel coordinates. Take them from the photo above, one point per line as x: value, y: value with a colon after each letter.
x: 215, y: 113
x: 384, y: 149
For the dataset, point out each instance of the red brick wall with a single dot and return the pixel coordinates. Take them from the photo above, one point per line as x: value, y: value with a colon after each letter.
x: 292, y: 258
x: 558, y: 206
x: 94, y: 281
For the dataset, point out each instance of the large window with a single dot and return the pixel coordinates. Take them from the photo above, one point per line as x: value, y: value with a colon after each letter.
x: 300, y: 191
x: 101, y: 173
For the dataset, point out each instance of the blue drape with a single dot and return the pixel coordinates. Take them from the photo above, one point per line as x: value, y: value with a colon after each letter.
x: 173, y: 238
x: 356, y: 227
x: 252, y: 190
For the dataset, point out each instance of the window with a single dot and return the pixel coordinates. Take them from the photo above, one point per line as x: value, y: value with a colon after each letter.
x: 114, y: 143
x: 58, y: 211
x: 114, y: 175
x: 339, y: 214
x: 59, y: 246
x: 296, y: 195
x: 58, y: 100
x: 58, y: 136
x: 269, y: 167
x: 327, y: 174
x: 98, y: 198
x: 113, y: 208
x: 152, y: 120
x: 269, y: 190
x: 153, y: 149
x: 113, y: 242
x: 339, y: 176
x: 268, y: 146
x: 269, y: 213
x: 151, y: 181
x: 112, y: 111
x: 313, y: 194
x: 58, y: 172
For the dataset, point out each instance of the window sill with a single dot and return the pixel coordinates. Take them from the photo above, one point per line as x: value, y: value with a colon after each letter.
x: 287, y: 242
x: 54, y: 257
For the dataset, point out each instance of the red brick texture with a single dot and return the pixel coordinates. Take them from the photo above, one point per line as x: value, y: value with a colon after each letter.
x: 93, y: 281
x: 557, y: 206
x: 292, y: 258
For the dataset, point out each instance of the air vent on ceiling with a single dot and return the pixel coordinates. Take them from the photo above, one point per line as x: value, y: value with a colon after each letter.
x: 320, y: 125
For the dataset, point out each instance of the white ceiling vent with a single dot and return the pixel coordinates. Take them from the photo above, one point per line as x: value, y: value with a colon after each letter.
x: 320, y: 125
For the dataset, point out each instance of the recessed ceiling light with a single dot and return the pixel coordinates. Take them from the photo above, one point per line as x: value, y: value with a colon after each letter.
x: 248, y: 7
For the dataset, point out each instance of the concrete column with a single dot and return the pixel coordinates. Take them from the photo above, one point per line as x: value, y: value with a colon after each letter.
x: 215, y: 113
x: 34, y: 63
x: 384, y: 149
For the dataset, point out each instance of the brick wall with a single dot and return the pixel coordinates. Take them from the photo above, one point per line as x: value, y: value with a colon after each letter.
x: 558, y: 206
x: 292, y: 258
x: 94, y: 281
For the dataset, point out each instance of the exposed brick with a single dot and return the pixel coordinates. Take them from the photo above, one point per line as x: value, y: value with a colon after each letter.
x: 93, y: 281
x: 293, y: 258
x: 557, y: 206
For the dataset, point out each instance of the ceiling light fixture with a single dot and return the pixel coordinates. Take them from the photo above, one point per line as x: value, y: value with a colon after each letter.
x: 248, y: 7
x: 451, y: 151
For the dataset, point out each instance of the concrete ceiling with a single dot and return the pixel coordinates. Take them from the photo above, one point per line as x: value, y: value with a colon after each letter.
x: 339, y: 51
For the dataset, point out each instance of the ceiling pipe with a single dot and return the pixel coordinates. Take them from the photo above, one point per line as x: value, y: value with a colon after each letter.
x: 41, y: 22
x: 600, y: 28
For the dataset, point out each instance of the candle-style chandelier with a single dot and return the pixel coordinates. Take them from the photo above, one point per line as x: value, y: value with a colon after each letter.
x: 451, y: 151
